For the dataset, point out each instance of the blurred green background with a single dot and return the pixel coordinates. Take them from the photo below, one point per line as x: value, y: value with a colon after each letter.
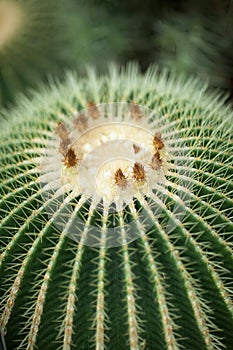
x: 50, y: 36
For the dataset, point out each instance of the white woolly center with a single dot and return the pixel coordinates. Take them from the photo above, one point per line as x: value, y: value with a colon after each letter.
x: 105, y: 149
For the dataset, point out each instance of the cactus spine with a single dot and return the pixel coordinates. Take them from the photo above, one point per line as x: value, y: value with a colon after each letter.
x: 171, y: 288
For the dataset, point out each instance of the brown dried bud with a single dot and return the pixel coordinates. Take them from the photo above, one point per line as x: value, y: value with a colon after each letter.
x: 93, y: 110
x: 62, y: 131
x: 64, y: 138
x: 156, y: 161
x: 136, y: 149
x: 139, y: 172
x: 120, y: 178
x: 157, y: 141
x: 135, y: 111
x: 70, y: 159
x: 81, y: 122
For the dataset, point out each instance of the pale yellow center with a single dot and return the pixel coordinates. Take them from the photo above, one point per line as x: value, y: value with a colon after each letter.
x: 10, y: 20
x: 103, y: 150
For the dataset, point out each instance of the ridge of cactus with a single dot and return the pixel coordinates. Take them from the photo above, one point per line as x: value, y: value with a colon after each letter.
x: 163, y: 280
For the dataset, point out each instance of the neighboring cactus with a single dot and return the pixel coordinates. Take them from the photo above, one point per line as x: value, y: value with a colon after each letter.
x: 193, y: 43
x: 93, y: 30
x: 40, y: 38
x: 170, y: 287
x: 32, y: 44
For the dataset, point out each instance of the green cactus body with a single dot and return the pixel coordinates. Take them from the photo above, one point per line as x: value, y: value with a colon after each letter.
x: 170, y: 285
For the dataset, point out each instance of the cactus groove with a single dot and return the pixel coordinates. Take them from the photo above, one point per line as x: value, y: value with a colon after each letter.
x: 171, y: 288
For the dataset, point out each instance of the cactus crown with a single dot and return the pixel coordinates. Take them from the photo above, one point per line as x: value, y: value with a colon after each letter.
x: 163, y: 278
x: 109, y: 156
